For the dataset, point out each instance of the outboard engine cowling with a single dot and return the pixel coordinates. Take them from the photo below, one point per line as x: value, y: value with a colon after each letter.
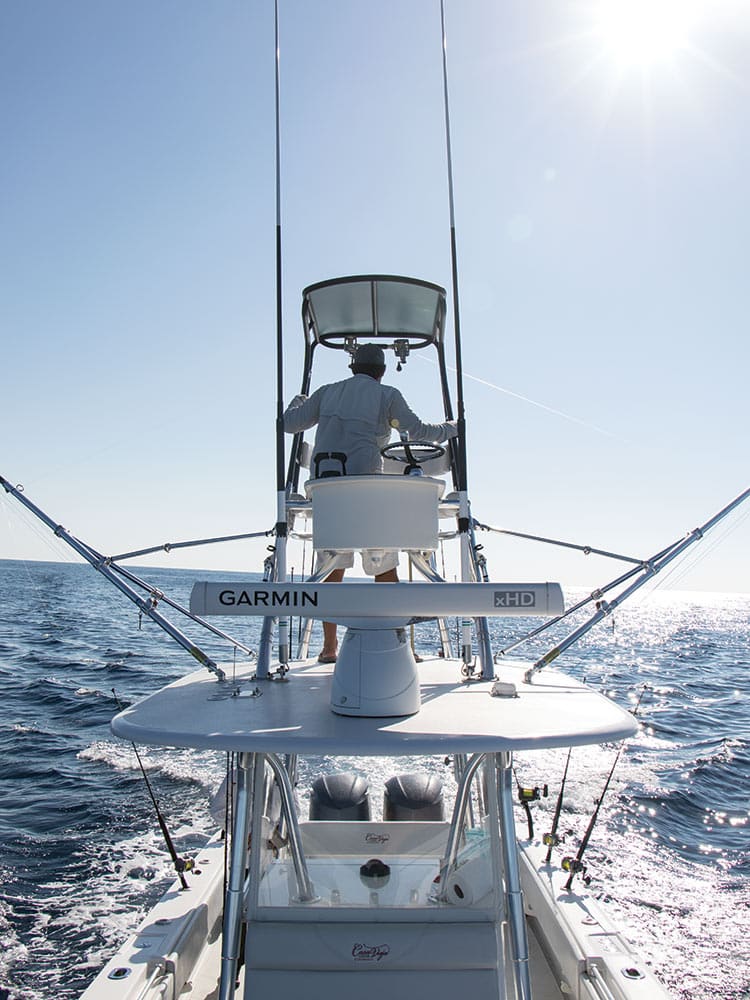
x: 414, y: 796
x: 340, y: 796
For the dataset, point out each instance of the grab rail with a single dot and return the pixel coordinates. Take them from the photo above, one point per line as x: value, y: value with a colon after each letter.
x: 457, y: 824
x: 306, y: 890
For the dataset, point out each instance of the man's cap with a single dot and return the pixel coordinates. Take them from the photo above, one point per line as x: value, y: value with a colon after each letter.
x: 369, y: 354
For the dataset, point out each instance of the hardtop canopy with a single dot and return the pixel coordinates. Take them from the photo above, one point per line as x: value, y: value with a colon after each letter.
x: 338, y: 312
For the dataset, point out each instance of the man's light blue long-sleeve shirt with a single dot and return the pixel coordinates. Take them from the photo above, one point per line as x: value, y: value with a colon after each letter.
x: 355, y: 416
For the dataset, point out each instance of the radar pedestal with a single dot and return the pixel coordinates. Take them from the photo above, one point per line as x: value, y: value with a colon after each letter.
x: 375, y: 674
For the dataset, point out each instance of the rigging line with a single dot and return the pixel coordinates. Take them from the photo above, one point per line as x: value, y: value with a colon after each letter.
x: 690, y: 560
x: 52, y: 549
x: 168, y: 546
x: 687, y: 561
x: 534, y: 402
x: 51, y: 542
x: 586, y: 549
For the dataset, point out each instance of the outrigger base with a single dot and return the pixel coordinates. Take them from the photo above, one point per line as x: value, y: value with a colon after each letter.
x: 375, y: 674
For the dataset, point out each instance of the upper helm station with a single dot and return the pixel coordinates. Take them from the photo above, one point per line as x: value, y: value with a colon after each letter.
x: 397, y: 313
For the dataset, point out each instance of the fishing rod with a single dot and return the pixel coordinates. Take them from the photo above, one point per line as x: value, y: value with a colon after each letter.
x: 102, y: 565
x: 181, y: 865
x: 575, y: 866
x: 551, y: 839
x: 649, y: 569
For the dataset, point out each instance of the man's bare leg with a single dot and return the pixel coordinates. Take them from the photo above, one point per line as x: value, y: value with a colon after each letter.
x: 330, y: 640
x: 390, y: 576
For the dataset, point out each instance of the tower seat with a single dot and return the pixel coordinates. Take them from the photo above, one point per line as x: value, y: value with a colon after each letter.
x: 390, y: 513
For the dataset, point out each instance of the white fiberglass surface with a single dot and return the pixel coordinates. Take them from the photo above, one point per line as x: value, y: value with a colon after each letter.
x: 295, y: 716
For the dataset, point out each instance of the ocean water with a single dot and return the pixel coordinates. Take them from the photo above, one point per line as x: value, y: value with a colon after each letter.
x: 81, y: 858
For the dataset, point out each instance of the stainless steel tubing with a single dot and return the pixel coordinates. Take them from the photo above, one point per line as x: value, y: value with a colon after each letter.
x: 235, y: 889
x: 305, y: 889
x: 457, y: 822
x: 519, y: 944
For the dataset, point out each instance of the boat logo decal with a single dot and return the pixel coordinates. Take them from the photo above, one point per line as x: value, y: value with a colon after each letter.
x: 270, y: 598
x: 515, y: 599
x: 377, y: 838
x: 370, y: 952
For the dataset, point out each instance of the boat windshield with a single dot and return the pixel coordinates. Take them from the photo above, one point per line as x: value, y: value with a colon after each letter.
x: 391, y: 862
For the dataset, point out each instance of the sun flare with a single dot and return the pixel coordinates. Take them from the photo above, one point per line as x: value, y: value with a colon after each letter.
x: 644, y: 32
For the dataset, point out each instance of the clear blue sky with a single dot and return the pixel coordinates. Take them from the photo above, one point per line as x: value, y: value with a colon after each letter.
x: 601, y: 183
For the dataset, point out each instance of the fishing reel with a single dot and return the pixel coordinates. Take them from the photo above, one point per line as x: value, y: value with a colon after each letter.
x: 532, y: 794
x: 552, y: 839
x: 528, y: 795
x: 574, y: 866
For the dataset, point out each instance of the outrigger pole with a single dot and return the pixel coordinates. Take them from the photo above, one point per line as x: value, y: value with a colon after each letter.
x: 649, y: 569
x: 461, y: 457
x: 595, y: 595
x: 281, y: 520
x: 101, y: 563
x: 459, y: 446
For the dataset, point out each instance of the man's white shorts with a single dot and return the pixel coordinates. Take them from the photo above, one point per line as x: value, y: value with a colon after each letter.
x: 374, y: 561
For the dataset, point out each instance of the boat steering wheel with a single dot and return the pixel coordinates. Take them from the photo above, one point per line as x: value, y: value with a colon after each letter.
x: 412, y: 453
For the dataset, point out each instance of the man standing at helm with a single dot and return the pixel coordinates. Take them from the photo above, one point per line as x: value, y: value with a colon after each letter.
x: 354, y: 419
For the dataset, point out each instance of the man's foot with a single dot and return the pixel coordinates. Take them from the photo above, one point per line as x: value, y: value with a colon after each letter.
x: 326, y: 657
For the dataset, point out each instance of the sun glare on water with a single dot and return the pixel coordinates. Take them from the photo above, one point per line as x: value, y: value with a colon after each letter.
x: 641, y: 33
